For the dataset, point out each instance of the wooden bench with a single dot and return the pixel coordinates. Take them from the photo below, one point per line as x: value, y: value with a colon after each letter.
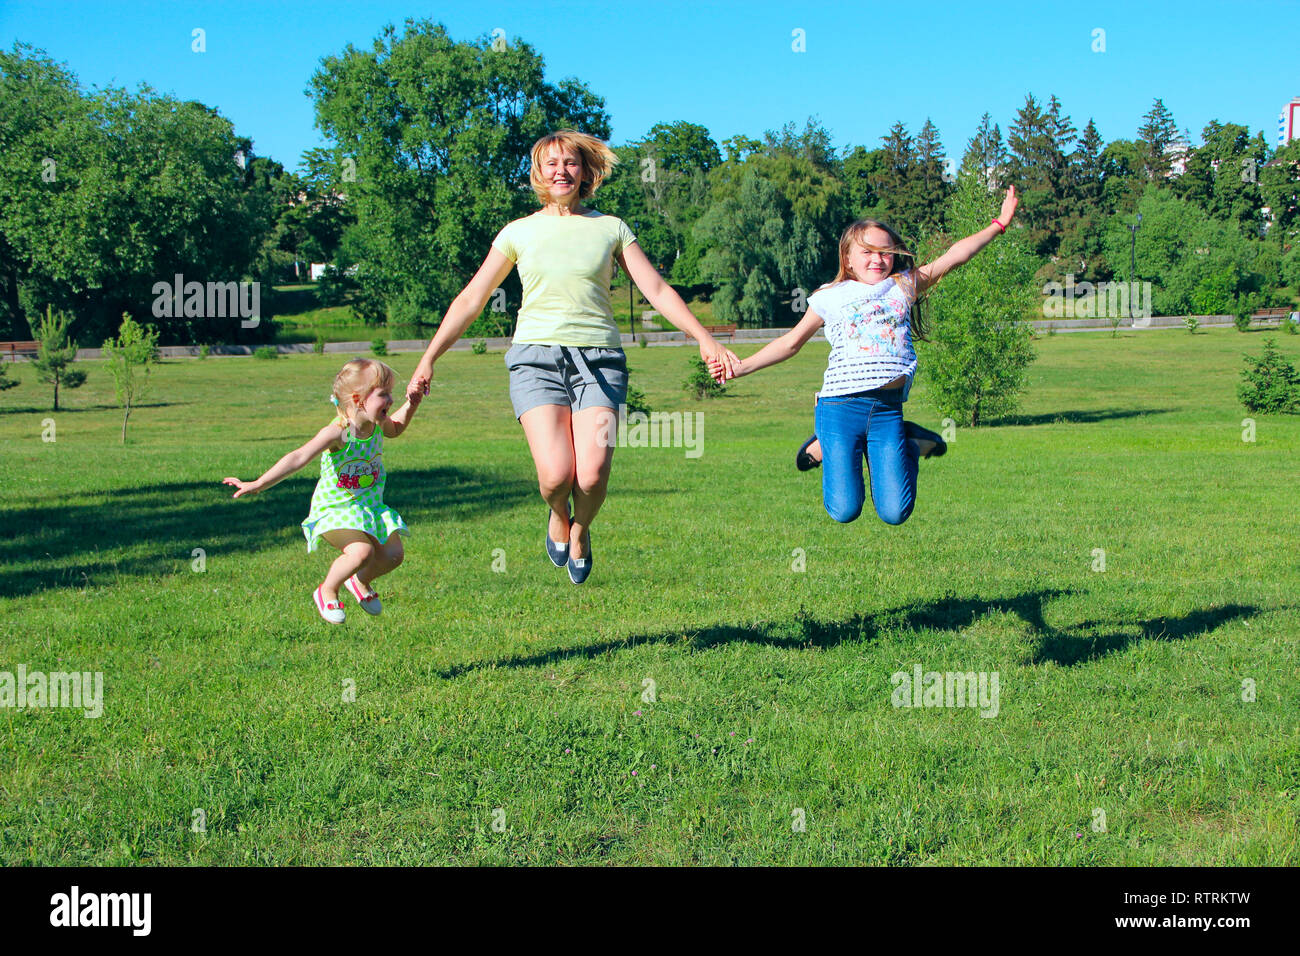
x: 15, y: 349
x: 1281, y: 314
x: 727, y: 330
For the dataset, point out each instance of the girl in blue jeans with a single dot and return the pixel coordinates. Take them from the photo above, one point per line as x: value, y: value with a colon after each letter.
x: 869, y: 316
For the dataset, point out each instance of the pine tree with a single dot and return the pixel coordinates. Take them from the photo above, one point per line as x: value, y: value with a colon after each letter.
x: 929, y: 173
x: 1158, y: 130
x: 985, y: 155
x: 1030, y: 166
x: 899, y: 192
x: 56, y: 354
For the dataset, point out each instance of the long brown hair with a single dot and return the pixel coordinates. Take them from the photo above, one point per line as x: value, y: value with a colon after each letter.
x: 903, y: 262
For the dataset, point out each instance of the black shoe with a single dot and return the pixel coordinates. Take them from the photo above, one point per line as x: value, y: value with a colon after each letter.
x: 579, y: 568
x: 804, y: 461
x: 558, y: 553
x: 915, y: 431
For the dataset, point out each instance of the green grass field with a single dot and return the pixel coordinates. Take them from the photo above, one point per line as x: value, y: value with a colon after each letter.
x: 499, y: 714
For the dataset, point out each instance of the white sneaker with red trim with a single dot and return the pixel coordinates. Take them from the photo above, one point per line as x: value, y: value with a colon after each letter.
x: 332, y: 612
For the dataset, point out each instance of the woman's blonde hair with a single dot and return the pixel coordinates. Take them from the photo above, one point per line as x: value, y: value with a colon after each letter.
x: 360, y: 376
x: 903, y: 261
x: 597, y: 161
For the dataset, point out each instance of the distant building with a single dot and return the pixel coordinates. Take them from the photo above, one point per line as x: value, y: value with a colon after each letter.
x: 1288, y: 122
x: 1178, y: 151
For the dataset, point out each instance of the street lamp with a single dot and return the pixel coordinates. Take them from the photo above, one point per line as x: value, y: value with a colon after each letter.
x: 1132, y: 257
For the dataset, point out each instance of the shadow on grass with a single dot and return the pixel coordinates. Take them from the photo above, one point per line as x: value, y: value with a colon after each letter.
x: 1080, y: 417
x: 1068, y: 645
x: 65, y: 410
x: 76, y: 544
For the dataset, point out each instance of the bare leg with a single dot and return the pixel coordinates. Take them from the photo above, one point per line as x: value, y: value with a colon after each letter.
x: 357, y: 547
x: 593, y: 431
x: 386, y: 558
x: 549, y: 430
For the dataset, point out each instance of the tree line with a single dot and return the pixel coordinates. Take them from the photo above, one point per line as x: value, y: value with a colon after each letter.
x: 105, y: 193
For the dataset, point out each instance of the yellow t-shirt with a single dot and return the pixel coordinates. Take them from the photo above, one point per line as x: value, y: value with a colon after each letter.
x: 565, y: 264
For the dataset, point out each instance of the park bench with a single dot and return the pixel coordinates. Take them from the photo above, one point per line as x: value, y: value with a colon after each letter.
x: 15, y: 349
x: 727, y: 330
x: 1281, y: 314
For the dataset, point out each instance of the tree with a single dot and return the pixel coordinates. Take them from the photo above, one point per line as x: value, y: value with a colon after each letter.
x: 930, y: 161
x: 6, y: 382
x: 104, y: 194
x: 1158, y: 130
x: 130, y: 357
x: 1038, y: 164
x: 985, y: 154
x: 772, y: 227
x: 1279, y: 187
x: 438, y: 134
x: 56, y: 354
x: 1222, y: 176
x: 980, y: 347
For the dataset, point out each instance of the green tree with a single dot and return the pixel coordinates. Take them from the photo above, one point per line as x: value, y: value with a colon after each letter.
x: 439, y: 133
x: 103, y: 195
x: 986, y: 154
x: 1158, y: 131
x: 1039, y: 146
x: 980, y: 344
x: 130, y: 357
x: 1222, y: 176
x: 1279, y: 187
x: 56, y: 354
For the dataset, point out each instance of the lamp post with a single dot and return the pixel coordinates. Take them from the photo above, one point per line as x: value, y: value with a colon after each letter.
x: 1132, y: 258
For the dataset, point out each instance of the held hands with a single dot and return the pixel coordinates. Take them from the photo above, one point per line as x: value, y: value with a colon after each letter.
x: 1009, y: 204
x: 245, y: 487
x: 722, y: 363
x: 423, y: 376
x: 416, y: 389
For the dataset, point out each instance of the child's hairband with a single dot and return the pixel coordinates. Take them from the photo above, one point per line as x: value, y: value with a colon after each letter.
x: 335, y: 400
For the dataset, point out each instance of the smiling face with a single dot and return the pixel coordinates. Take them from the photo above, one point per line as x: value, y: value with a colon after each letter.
x: 561, y: 170
x: 374, y: 407
x: 867, y: 261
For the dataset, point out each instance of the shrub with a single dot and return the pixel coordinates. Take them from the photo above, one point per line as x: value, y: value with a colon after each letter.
x: 319, y: 345
x: 699, y: 383
x: 1192, y: 323
x: 1270, y: 383
x: 267, y: 352
x: 636, y: 400
x: 204, y: 351
x: 1290, y: 327
x: 1241, y: 320
x: 479, y: 347
x: 642, y: 342
x: 379, y: 347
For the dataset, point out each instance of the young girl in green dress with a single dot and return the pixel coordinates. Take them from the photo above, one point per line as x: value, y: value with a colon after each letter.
x: 348, y: 509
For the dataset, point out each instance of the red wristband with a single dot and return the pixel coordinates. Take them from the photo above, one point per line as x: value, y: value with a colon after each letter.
x: 999, y: 225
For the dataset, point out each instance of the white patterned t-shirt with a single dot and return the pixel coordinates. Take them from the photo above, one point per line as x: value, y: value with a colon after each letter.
x: 870, y: 332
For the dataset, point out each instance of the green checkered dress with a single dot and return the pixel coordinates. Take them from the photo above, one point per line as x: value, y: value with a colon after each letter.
x: 350, y: 493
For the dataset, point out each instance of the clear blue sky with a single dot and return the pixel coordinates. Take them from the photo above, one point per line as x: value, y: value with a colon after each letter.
x: 728, y: 66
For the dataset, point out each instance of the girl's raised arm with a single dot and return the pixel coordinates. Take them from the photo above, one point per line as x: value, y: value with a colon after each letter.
x: 290, y: 463
x: 962, y: 251
x: 779, y: 349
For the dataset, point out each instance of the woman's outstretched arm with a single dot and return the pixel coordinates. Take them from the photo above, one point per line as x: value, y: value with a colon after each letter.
x: 665, y: 299
x: 464, y: 309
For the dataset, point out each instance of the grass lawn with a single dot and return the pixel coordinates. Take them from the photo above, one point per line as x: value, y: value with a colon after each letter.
x: 505, y: 716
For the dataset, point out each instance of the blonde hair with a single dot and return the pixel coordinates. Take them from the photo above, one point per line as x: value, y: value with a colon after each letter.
x: 360, y: 376
x: 597, y: 161
x: 903, y: 261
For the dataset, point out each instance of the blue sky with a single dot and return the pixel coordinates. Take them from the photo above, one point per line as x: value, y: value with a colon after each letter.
x: 728, y: 66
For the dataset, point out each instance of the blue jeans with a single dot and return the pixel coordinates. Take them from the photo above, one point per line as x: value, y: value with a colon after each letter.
x: 870, y: 424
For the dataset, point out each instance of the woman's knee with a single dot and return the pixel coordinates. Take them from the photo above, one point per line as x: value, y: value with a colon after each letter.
x: 592, y: 477
x: 553, y: 481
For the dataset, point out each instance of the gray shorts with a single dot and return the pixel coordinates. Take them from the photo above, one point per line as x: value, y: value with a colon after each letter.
x: 569, y: 375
